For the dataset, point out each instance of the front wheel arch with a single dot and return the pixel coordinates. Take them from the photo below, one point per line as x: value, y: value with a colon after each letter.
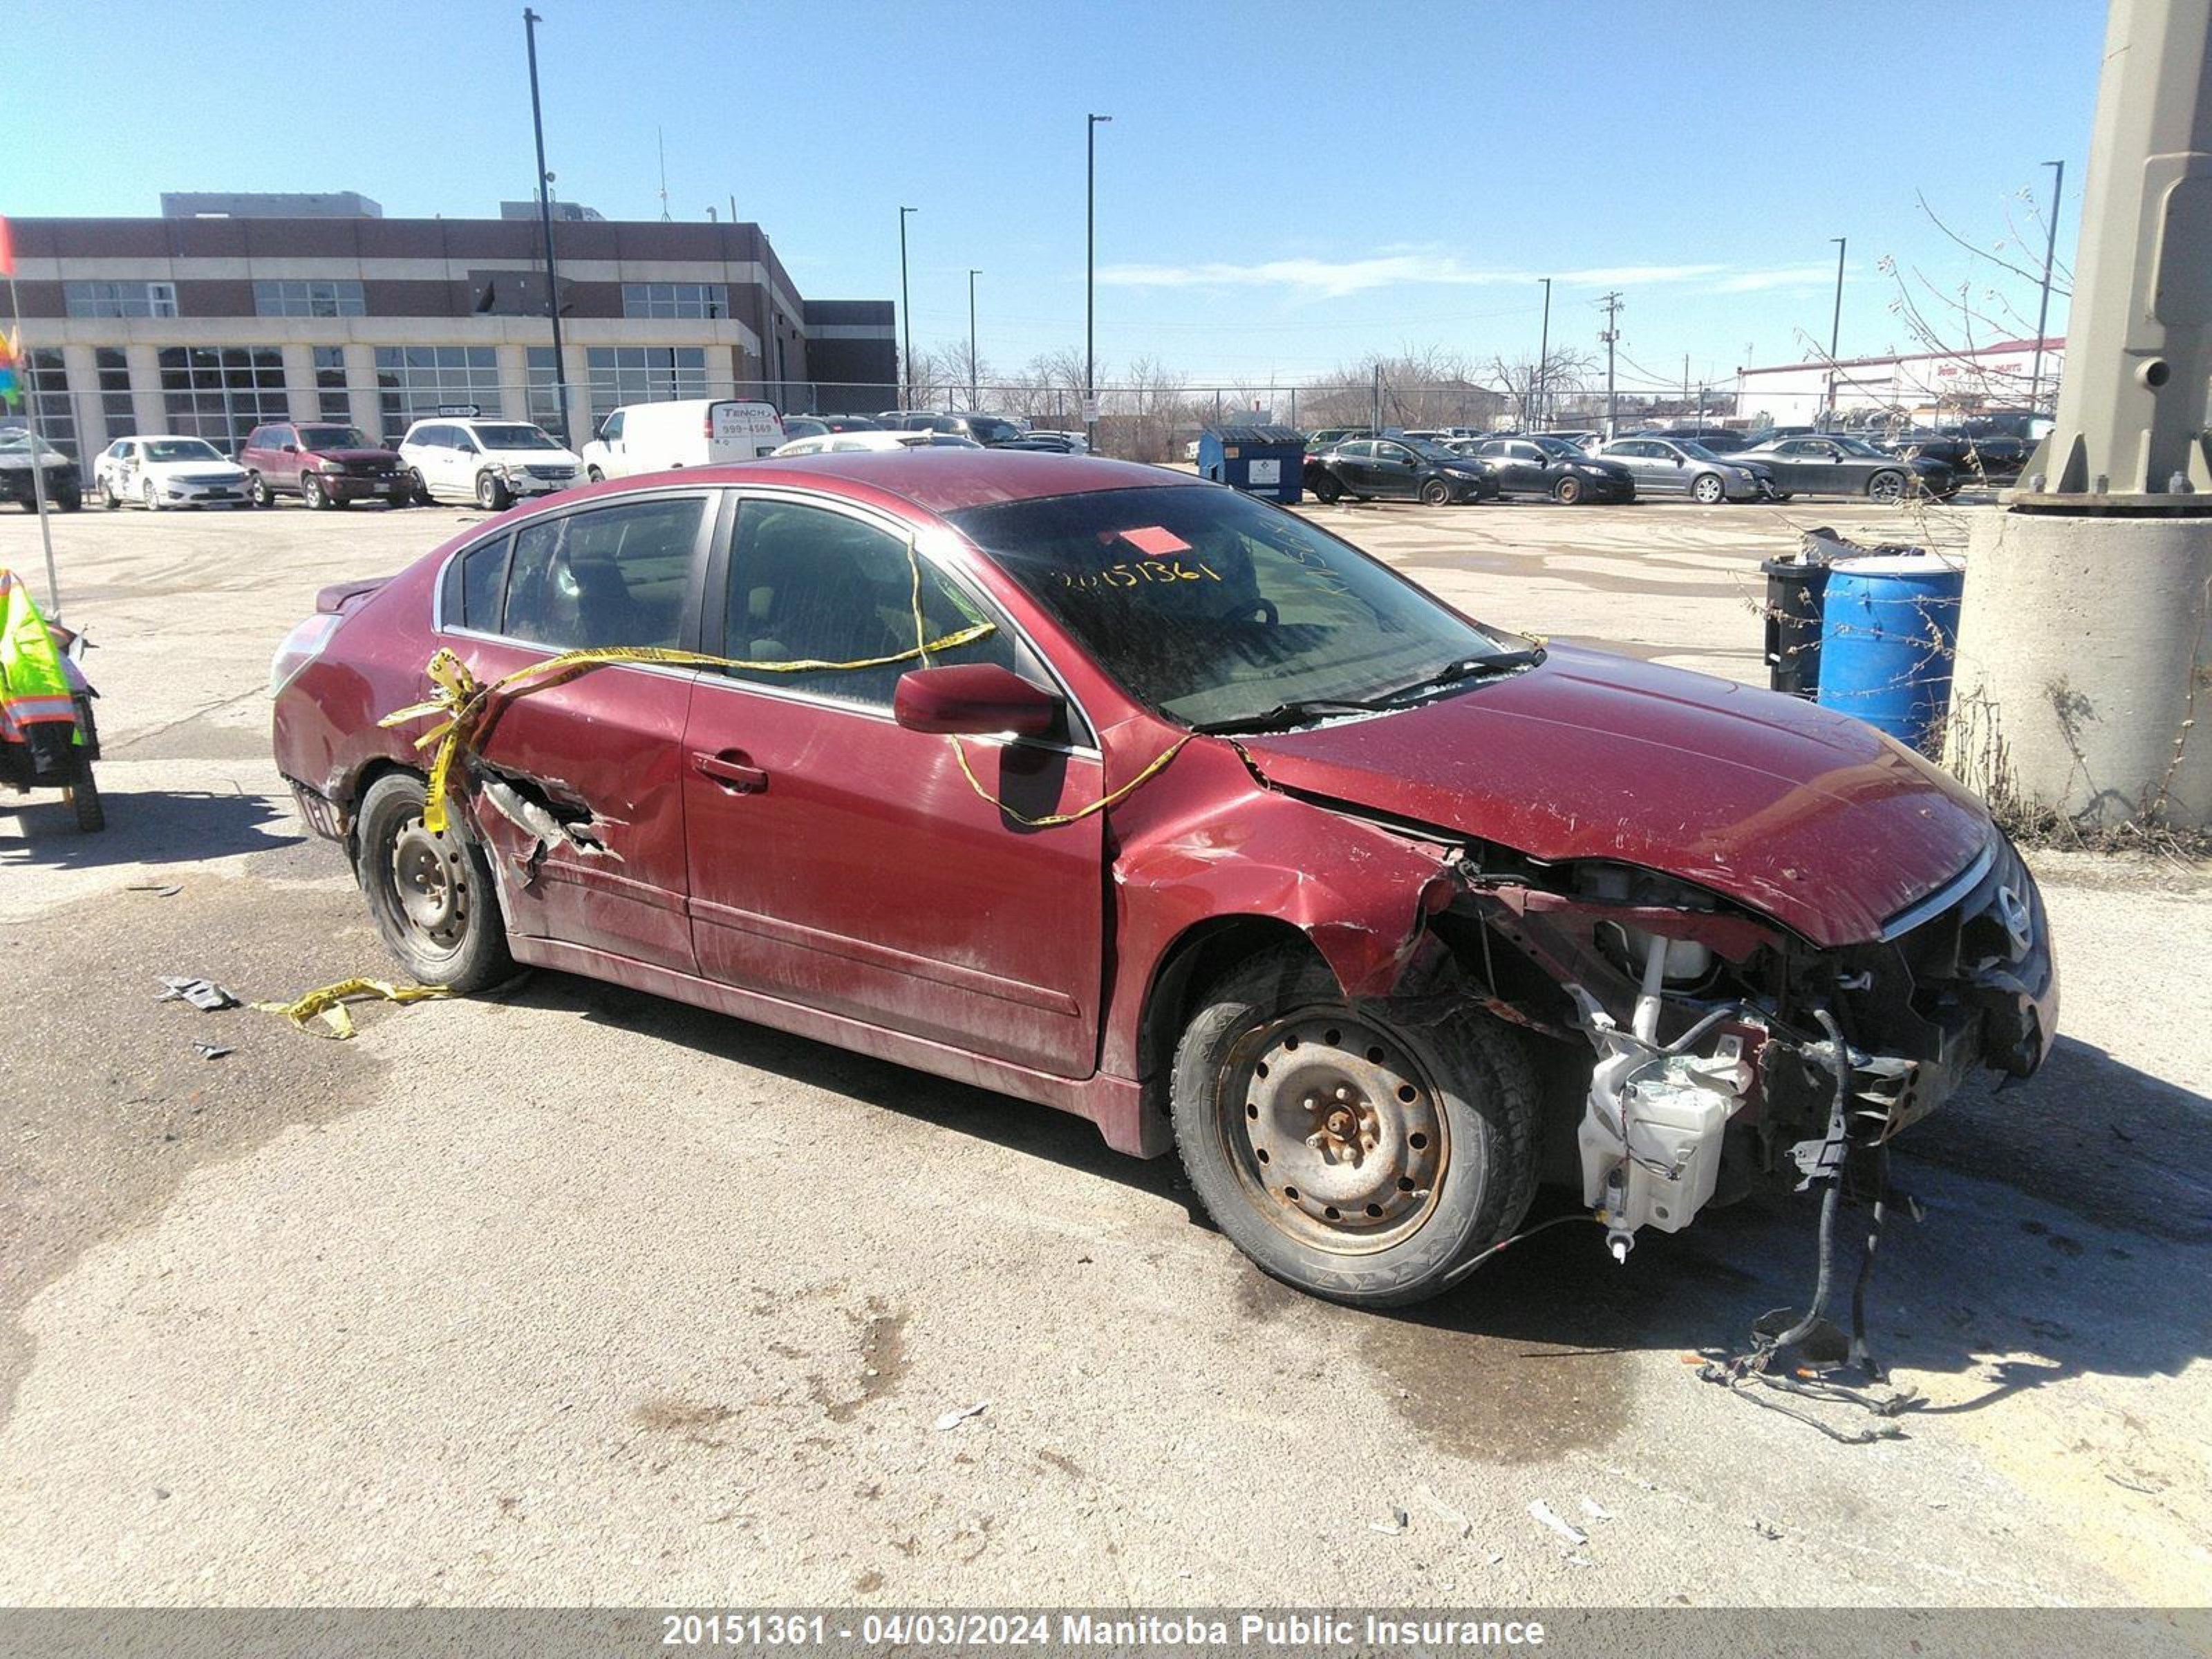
x: 1195, y: 959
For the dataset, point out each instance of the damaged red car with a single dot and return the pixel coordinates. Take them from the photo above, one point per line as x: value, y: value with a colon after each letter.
x: 1129, y: 795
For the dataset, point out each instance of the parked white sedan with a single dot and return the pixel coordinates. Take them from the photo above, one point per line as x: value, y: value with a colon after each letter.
x: 167, y: 471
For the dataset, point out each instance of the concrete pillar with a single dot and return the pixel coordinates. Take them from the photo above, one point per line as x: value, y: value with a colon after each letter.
x: 514, y: 361
x: 81, y: 368
x: 301, y: 401
x: 2085, y: 668
x: 148, y: 406
x: 361, y: 391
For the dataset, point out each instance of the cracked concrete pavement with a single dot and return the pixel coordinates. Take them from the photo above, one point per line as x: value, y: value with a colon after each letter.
x: 564, y: 1294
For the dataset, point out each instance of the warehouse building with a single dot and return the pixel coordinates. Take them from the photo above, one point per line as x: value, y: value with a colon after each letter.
x: 231, y: 310
x: 1927, y: 386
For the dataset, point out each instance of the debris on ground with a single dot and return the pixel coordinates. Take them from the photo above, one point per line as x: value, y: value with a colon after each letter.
x: 158, y: 888
x: 1765, y: 1527
x: 1559, y: 1524
x: 327, y: 1003
x: 1445, y: 1512
x: 1398, y: 1522
x: 1595, y: 1510
x: 953, y: 1419
x: 204, y: 994
x: 209, y: 1050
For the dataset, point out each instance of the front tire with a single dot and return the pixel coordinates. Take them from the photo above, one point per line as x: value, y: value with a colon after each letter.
x: 492, y: 492
x: 1436, y: 493
x: 1567, y: 491
x: 1359, y: 1159
x: 1887, y: 488
x: 430, y: 895
x: 108, y: 498
x: 592, y: 475
x: 84, y: 798
x: 312, y: 496
x: 151, y: 496
x: 1707, y: 490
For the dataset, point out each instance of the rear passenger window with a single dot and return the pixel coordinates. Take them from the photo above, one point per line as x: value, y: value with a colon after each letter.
x: 614, y: 577
x: 482, y: 584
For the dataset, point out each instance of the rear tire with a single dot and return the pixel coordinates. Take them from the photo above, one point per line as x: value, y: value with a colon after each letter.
x: 256, y: 487
x: 84, y: 798
x: 1326, y: 490
x: 430, y: 896
x: 1415, y: 1142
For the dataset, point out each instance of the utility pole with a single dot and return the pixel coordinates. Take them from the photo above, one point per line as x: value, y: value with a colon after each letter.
x: 1608, y: 336
x: 1836, y: 323
x: 2095, y: 576
x: 1543, y: 362
x: 531, y: 19
x: 972, y: 372
x: 1091, y: 278
x: 906, y: 317
x: 2049, y: 256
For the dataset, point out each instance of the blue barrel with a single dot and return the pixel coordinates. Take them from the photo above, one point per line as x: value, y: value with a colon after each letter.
x: 1888, y: 630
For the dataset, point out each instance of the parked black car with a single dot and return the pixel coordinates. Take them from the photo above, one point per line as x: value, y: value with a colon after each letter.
x: 1542, y: 465
x: 816, y: 426
x: 1830, y: 464
x: 1720, y: 440
x: 1050, y: 442
x: 1399, y: 468
x: 64, y: 488
x: 992, y: 431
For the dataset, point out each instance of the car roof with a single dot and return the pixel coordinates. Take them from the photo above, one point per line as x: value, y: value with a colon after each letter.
x: 943, y: 480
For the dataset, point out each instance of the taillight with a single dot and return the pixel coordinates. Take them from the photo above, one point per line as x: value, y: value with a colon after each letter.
x: 301, y: 647
x: 706, y: 424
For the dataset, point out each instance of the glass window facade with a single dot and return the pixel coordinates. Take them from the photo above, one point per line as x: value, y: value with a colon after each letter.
x: 46, y: 396
x: 115, y: 405
x: 690, y: 299
x: 413, y: 382
x: 119, y: 298
x: 644, y: 374
x: 223, y: 392
x: 330, y: 400
x: 315, y: 298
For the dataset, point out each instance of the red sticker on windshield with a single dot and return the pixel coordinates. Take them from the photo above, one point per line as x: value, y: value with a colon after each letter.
x: 1155, y: 543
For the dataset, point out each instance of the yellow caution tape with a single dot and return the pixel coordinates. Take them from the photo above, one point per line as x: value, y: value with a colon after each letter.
x: 327, y: 1003
x: 463, y: 701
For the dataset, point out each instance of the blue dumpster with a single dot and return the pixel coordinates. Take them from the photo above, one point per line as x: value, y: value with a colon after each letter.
x: 1261, y: 460
x: 1889, y: 628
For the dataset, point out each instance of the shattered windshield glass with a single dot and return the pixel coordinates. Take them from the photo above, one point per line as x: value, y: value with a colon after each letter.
x: 1212, y: 607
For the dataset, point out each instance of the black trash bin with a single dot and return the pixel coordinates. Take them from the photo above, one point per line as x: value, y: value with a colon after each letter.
x: 1797, y: 594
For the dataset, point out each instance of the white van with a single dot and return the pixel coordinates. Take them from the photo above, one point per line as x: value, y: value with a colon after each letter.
x: 696, y: 432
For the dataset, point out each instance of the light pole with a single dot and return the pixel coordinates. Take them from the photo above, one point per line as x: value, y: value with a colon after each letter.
x: 1091, y: 278
x: 1543, y: 360
x: 972, y: 372
x: 529, y: 22
x: 2050, y: 254
x: 906, y: 320
x: 1836, y: 323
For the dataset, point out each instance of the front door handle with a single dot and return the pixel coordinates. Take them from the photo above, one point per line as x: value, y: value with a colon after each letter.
x: 729, y: 769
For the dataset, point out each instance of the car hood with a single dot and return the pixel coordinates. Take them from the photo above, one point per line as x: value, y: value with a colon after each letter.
x: 1811, y: 816
x: 350, y: 455
x: 534, y: 458
x: 197, y: 469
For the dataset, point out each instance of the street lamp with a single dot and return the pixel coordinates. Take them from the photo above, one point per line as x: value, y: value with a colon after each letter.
x: 531, y: 19
x: 1091, y: 280
x: 2043, y: 311
x: 1836, y: 324
x: 906, y: 317
x: 1543, y: 358
x: 974, y: 395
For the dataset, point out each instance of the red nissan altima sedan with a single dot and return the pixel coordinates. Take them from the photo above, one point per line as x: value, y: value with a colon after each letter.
x: 1128, y: 794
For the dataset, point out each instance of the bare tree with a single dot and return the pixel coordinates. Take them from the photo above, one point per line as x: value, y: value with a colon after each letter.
x: 1566, y: 376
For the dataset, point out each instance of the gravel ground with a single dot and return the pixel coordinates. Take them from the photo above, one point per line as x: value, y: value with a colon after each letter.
x: 565, y: 1295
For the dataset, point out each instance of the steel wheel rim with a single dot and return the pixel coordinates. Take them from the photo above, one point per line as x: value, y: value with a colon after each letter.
x: 1335, y: 1131
x: 429, y: 880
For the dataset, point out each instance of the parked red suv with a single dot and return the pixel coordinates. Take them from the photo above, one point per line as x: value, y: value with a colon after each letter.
x: 323, y: 464
x: 1131, y: 795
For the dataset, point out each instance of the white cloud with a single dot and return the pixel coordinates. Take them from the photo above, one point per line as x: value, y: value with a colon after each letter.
x: 1335, y: 279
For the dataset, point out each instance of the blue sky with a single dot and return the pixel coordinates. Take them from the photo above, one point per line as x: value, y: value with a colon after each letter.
x: 1284, y: 187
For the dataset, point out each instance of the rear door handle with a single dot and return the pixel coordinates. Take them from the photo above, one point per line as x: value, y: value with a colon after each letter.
x: 729, y: 769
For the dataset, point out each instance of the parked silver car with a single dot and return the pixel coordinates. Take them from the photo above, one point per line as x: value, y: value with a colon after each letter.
x: 1683, y: 467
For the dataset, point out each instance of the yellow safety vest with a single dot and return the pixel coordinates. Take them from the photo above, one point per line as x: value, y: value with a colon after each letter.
x: 34, y: 687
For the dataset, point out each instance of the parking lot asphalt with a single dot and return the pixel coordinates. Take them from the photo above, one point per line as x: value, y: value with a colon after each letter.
x: 564, y: 1294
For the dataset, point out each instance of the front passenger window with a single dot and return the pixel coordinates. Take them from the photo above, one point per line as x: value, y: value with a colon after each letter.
x: 808, y: 584
x: 613, y: 576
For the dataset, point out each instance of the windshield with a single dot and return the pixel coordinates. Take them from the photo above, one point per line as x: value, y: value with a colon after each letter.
x: 1557, y: 446
x: 180, y: 449
x: 335, y: 437
x: 987, y: 429
x: 1432, y: 450
x: 15, y: 438
x: 1693, y: 449
x: 1209, y: 607
x: 1853, y: 447
x: 513, y: 437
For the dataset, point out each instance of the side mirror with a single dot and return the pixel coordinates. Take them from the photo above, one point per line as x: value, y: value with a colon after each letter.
x: 972, y: 700
x: 291, y: 449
